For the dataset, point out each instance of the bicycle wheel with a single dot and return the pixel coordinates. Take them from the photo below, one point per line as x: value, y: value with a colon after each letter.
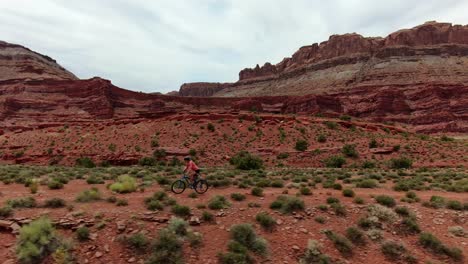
x: 178, y: 186
x: 201, y: 186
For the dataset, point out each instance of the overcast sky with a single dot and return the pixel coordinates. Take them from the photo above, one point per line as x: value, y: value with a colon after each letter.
x: 155, y: 46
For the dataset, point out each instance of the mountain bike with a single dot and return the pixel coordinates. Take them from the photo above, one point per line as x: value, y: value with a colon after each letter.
x: 200, y: 185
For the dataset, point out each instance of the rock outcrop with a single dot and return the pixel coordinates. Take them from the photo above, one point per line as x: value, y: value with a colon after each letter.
x: 429, y: 53
x: 18, y: 62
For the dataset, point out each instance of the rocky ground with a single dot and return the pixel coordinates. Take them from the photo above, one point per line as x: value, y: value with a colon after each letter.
x: 108, y: 223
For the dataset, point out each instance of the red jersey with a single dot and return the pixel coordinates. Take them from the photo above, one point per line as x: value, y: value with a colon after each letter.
x: 191, y: 166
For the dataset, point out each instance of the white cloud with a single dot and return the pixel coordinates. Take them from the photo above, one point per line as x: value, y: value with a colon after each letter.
x: 158, y: 45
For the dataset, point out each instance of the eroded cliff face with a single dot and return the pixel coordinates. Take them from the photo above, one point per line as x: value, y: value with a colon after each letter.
x: 426, y: 54
x: 18, y: 62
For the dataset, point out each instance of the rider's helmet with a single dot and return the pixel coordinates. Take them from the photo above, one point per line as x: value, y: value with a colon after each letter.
x: 187, y: 158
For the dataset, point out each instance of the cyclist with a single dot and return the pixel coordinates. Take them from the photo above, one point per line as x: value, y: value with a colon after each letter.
x: 191, y: 169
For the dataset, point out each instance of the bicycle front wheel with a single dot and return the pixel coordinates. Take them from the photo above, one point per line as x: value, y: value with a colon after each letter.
x: 178, y: 187
x: 201, y: 186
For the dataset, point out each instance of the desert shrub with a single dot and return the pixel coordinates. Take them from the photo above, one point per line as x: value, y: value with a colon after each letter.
x: 339, y: 209
x: 373, y: 143
x: 313, y: 254
x: 332, y: 200
x: 393, y: 250
x: 89, y: 196
x: 147, y: 161
x: 301, y: 145
x: 36, y: 240
x: 277, y: 184
x: 256, y: 191
x: 178, y: 226
x: 287, y: 204
x: 402, y: 210
x: 55, y: 203
x: 207, y: 216
x: 350, y: 151
x: 321, y: 138
x: 282, y: 155
x: 401, y: 163
x: 382, y: 213
x: 210, y: 127
x: 335, y: 161
x: 26, y: 202
x: 368, y: 164
x: 243, y: 160
x: 124, y: 184
x: 410, y: 225
x: 33, y: 187
x: 244, y: 234
x: 435, y: 202
x: 458, y: 231
x: 359, y: 200
x: 137, y: 241
x: 166, y: 248
x: 429, y: 241
x: 54, y: 185
x: 367, y: 183
x: 330, y: 124
x: 93, y: 179
x: 6, y: 211
x: 85, y: 162
x: 305, y: 191
x: 159, y: 154
x: 342, y: 244
x: 385, y: 200
x: 237, y: 197
x: 454, y: 205
x: 320, y: 219
x: 356, y: 236
x: 218, y: 202
x: 82, y: 233
x: 348, y: 193
x: 121, y: 202
x: 181, y: 210
x: 266, y: 221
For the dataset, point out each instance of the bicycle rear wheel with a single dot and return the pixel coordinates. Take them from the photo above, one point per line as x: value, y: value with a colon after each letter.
x: 201, y: 186
x: 178, y: 186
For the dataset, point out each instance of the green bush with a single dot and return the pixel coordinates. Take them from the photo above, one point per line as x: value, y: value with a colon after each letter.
x: 287, y: 204
x: 436, y: 202
x: 332, y: 200
x: 124, y: 184
x: 54, y: 185
x: 178, y: 226
x: 266, y: 221
x: 313, y: 254
x: 218, y: 202
x: 335, y: 162
x: 26, y: 202
x: 207, y: 216
x: 256, y: 191
x: 368, y: 164
x: 339, y: 209
x: 82, y: 233
x: 121, y: 202
x: 277, y: 184
x: 350, y: 151
x: 331, y: 124
x: 321, y: 138
x: 137, y: 241
x: 356, y: 236
x: 301, y: 145
x: 237, y: 197
x: 367, y: 183
x: 36, y: 241
x: 454, y: 205
x: 181, y: 210
x: 348, y: 193
x: 373, y: 143
x: 429, y: 241
x: 305, y: 191
x: 245, y: 161
x: 410, y: 225
x: 244, y: 234
x: 359, y: 200
x: 210, y: 127
x: 401, y: 163
x: 93, y: 179
x: 85, y: 162
x: 159, y: 154
x: 6, y: 211
x: 55, y: 203
x: 166, y: 248
x: 282, y: 155
x: 393, y: 250
x: 89, y: 196
x: 148, y: 161
x: 342, y: 244
x: 385, y: 200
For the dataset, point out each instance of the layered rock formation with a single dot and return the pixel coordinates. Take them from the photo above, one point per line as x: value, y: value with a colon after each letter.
x: 18, y: 62
x: 432, y: 53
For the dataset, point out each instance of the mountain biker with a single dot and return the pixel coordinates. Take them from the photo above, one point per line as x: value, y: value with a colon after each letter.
x: 191, y: 168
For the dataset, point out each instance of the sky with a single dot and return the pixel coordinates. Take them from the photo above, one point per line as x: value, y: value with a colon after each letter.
x: 155, y: 46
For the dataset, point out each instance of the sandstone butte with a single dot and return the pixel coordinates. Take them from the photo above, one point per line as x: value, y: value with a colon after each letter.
x: 417, y: 77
